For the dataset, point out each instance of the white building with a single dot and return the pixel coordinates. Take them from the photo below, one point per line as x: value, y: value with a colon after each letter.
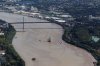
x: 66, y: 16
x: 61, y: 21
x: 55, y: 18
x: 2, y: 52
x: 34, y: 15
x: 94, y: 17
x: 95, y: 38
x: 2, y: 34
x: 58, y: 19
x: 34, y: 9
x: 12, y: 0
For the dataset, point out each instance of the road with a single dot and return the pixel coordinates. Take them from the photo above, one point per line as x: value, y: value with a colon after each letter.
x: 33, y: 43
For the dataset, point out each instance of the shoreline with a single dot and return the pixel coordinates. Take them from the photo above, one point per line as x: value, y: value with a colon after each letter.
x: 28, y: 46
x: 79, y: 46
x: 77, y: 50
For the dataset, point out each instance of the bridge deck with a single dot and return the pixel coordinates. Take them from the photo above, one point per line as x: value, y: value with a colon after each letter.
x: 29, y: 22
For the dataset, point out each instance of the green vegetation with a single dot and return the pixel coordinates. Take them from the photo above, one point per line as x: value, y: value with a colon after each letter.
x: 82, y: 35
x: 12, y: 58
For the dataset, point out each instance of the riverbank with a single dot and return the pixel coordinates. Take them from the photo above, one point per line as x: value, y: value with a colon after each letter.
x: 8, y: 55
x: 67, y: 37
x: 33, y: 43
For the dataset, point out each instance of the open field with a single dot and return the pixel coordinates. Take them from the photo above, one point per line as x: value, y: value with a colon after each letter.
x: 33, y: 43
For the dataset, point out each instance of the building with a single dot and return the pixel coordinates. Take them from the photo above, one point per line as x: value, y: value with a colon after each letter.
x: 95, y: 38
x: 61, y: 21
x: 55, y: 18
x: 65, y: 16
x: 94, y: 17
x: 34, y: 9
x: 11, y: 0
x: 58, y: 19
x: 2, y: 52
x: 36, y: 15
